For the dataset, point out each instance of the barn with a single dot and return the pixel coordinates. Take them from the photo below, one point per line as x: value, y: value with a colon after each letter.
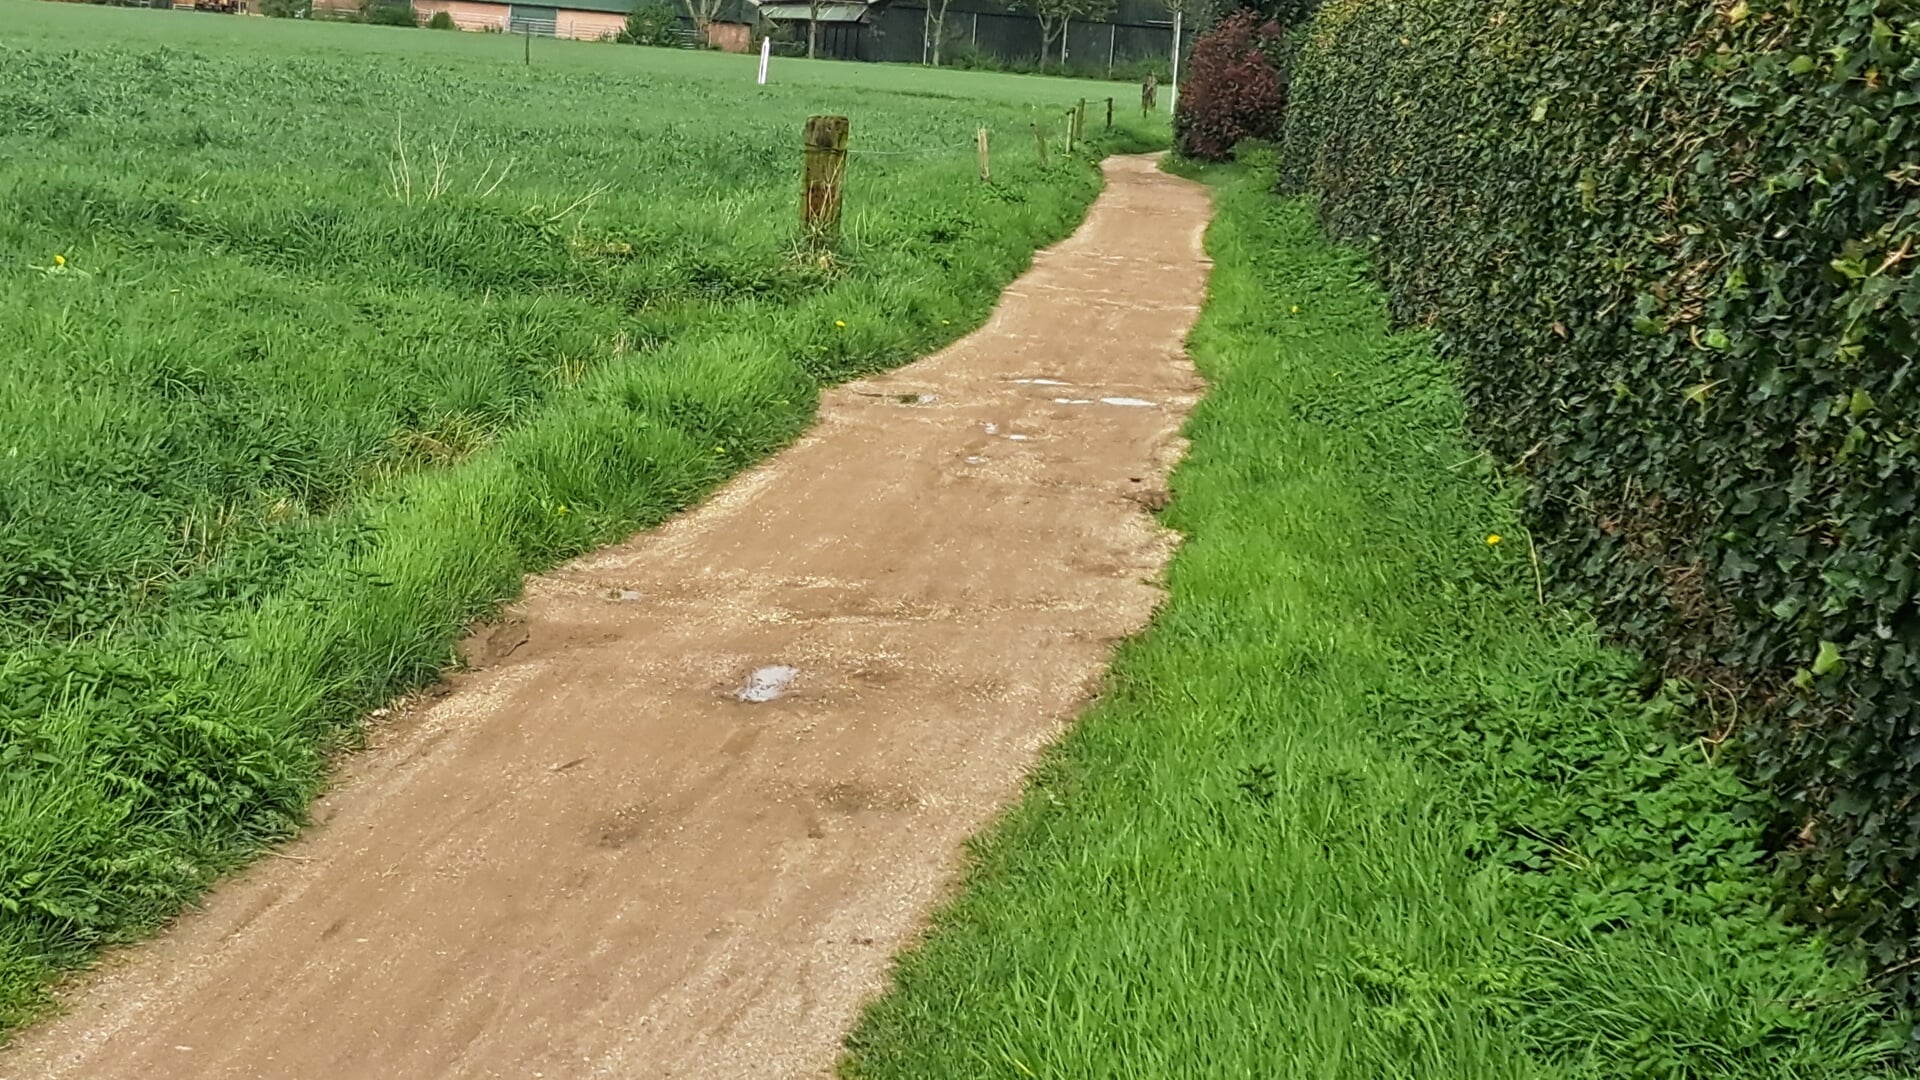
x: 843, y: 25
x: 585, y: 20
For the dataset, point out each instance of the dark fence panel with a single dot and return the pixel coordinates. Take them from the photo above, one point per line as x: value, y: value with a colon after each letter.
x: 898, y: 35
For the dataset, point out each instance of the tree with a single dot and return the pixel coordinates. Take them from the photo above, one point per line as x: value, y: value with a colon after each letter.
x: 649, y: 23
x: 934, y: 27
x: 813, y: 26
x: 703, y: 12
x: 1054, y: 16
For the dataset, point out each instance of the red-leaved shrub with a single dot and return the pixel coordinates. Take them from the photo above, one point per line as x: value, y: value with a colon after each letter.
x: 1234, y: 88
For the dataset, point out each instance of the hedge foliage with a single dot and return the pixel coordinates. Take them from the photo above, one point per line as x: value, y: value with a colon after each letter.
x: 1670, y: 246
x: 1234, y: 90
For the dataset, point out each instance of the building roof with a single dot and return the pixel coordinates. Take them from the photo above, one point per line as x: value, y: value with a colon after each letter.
x: 803, y: 12
x: 731, y: 11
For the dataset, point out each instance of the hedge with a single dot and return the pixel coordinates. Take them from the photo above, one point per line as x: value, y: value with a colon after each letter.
x: 1235, y: 89
x: 1669, y: 247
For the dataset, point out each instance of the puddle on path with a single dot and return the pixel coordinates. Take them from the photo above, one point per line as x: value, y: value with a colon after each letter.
x: 767, y: 684
x: 1132, y: 402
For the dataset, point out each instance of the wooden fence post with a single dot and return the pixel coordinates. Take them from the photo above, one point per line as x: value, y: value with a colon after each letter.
x: 1080, y: 121
x: 826, y: 144
x: 1040, y: 141
x: 1149, y: 93
x: 1109, y: 114
x: 527, y: 34
x: 1069, y: 152
x: 986, y: 174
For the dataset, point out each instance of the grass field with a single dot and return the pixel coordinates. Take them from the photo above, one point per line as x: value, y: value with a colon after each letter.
x: 1359, y: 804
x: 318, y: 336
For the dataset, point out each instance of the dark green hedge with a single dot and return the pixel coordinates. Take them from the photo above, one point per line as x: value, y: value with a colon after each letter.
x: 1670, y: 247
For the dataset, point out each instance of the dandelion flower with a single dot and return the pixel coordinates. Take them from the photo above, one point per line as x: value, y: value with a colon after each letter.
x: 1296, y: 309
x: 841, y: 323
x: 59, y: 260
x: 1493, y: 539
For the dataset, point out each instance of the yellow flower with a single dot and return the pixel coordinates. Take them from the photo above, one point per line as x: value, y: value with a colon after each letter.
x: 561, y: 509
x: 59, y: 260
x: 1493, y: 538
x: 1296, y: 309
x: 841, y: 323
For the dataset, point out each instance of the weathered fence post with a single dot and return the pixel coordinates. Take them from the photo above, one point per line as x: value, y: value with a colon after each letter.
x: 1149, y: 93
x: 1070, y: 126
x: 826, y: 144
x: 1040, y: 140
x: 1080, y: 121
x: 526, y: 33
x: 986, y: 174
x: 1109, y: 114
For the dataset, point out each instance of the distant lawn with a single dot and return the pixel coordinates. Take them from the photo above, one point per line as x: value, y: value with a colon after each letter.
x: 1358, y: 805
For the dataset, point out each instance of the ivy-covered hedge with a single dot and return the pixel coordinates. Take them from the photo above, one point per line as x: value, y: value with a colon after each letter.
x: 1671, y: 247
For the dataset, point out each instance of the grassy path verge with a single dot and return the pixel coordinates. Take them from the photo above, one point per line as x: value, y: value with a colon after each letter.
x: 1359, y: 804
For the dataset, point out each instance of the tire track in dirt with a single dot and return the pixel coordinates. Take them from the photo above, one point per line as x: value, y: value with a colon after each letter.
x: 721, y: 773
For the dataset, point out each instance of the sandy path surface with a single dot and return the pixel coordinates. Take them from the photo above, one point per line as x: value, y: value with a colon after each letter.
x: 594, y: 855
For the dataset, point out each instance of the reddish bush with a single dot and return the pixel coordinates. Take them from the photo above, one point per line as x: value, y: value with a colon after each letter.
x: 1234, y: 88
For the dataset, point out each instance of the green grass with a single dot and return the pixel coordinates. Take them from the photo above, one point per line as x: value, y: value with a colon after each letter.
x: 1358, y: 804
x: 355, y: 326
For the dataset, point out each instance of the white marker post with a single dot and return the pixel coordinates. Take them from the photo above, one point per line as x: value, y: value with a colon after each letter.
x: 1173, y: 84
x: 766, y: 50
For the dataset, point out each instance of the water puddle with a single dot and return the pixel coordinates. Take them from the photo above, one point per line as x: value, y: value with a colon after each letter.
x: 1042, y: 382
x: 768, y: 684
x: 1131, y: 402
x: 1019, y: 438
x: 1072, y: 401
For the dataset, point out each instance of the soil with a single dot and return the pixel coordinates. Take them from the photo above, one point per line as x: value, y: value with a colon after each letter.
x: 696, y: 790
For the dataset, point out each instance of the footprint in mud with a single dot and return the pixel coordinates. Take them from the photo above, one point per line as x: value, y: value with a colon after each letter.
x: 620, y: 828
x: 493, y: 642
x: 856, y: 797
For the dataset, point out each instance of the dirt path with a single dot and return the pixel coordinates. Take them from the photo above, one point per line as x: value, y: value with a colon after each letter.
x: 596, y: 855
